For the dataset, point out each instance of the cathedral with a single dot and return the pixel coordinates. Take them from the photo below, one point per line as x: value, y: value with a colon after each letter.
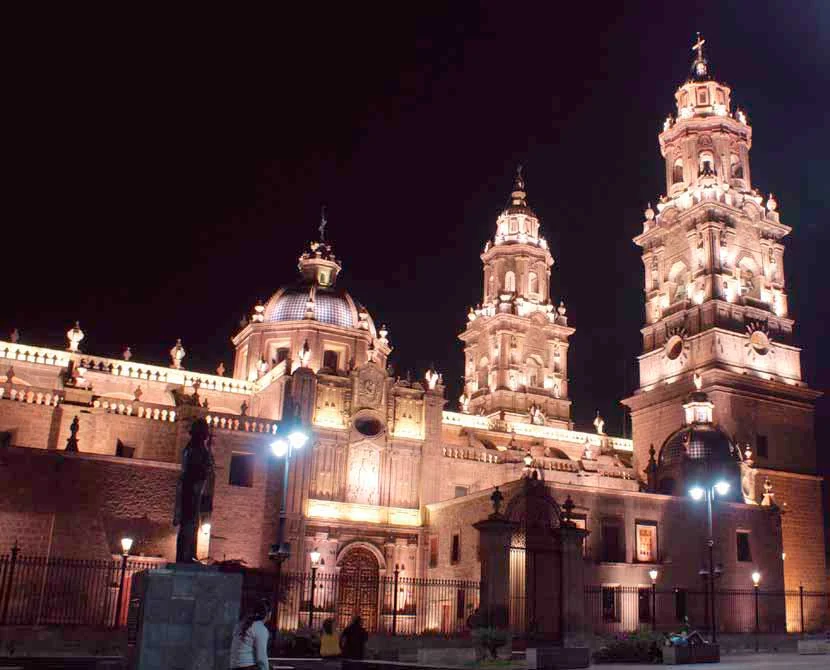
x: 393, y: 480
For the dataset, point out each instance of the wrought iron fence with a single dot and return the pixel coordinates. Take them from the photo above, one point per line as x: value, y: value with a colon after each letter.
x: 387, y: 604
x: 40, y: 590
x: 617, y: 609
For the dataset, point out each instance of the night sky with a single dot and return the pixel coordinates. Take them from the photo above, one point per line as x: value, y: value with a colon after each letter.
x: 165, y: 172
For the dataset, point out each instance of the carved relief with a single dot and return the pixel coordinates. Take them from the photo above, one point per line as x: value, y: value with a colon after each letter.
x: 363, y: 481
x: 369, y: 391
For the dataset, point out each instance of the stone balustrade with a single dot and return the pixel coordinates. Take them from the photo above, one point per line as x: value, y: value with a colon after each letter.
x: 151, y: 373
x: 279, y: 370
x: 30, y: 395
x: 243, y: 423
x: 140, y: 410
x: 533, y: 430
x: 471, y: 455
x: 40, y: 355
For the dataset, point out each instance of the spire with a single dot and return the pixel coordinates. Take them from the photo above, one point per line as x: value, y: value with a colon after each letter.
x: 518, y: 198
x: 700, y: 66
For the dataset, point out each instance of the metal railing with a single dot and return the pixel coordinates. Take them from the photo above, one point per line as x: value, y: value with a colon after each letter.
x: 389, y: 604
x: 618, y: 609
x: 41, y: 590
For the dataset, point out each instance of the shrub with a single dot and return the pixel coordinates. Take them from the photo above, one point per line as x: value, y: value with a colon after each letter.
x: 638, y: 647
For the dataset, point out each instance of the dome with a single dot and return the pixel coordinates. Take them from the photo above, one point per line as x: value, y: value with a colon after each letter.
x: 698, y: 442
x: 332, y: 307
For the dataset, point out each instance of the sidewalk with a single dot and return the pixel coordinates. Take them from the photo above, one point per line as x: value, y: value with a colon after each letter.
x: 751, y: 661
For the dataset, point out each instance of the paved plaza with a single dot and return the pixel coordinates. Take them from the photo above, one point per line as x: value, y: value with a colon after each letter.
x: 742, y: 662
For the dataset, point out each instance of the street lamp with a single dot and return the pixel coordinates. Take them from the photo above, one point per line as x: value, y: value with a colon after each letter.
x: 292, y: 435
x: 653, y: 573
x: 756, y: 582
x: 126, y: 545
x: 315, y: 563
x: 697, y: 492
x: 284, y: 447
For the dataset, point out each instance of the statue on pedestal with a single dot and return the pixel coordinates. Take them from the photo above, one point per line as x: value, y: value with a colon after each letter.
x: 195, y: 480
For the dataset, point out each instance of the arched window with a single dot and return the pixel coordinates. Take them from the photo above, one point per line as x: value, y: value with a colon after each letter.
x: 491, y: 286
x: 533, y: 283
x: 677, y: 172
x: 509, y: 281
x: 514, y: 225
x: 736, y: 168
x: 707, y: 163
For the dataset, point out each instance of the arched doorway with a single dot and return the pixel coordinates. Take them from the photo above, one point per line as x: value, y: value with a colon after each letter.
x: 358, y: 592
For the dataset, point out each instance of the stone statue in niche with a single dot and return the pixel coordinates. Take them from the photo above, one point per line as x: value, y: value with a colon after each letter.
x: 536, y: 416
x: 193, y: 490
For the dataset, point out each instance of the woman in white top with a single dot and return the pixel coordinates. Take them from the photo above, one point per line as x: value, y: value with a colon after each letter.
x: 249, y: 648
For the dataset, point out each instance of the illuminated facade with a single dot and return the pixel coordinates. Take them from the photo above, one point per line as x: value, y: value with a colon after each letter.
x: 391, y: 476
x: 716, y: 306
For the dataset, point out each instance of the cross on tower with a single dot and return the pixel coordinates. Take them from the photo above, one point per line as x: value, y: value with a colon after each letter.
x: 323, y: 222
x: 698, y: 46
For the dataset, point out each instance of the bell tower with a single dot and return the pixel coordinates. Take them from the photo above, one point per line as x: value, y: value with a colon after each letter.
x: 516, y: 341
x: 716, y: 299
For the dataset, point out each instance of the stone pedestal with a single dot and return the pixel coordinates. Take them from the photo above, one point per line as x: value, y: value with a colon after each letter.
x: 182, y: 618
x: 494, y: 547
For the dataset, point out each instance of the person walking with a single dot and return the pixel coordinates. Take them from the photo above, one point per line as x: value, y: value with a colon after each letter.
x: 353, y: 640
x: 329, y: 642
x: 249, y: 648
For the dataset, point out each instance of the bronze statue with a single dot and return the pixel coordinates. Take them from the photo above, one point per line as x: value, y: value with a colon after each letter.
x: 196, y: 479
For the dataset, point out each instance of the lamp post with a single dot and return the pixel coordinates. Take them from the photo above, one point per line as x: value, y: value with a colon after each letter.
x: 126, y: 545
x: 294, y: 437
x: 315, y: 563
x: 397, y: 574
x: 698, y: 493
x: 653, y: 574
x: 756, y: 582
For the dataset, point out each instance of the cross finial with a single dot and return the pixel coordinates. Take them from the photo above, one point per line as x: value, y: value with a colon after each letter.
x: 698, y: 46
x: 323, y: 223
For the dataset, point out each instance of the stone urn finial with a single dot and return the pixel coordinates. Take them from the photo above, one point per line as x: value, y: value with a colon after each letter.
x: 127, y: 353
x: 74, y: 336
x: 177, y: 354
x: 220, y: 369
x: 497, y: 499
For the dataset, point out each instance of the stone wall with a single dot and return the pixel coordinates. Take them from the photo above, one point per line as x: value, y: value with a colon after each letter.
x: 81, y: 505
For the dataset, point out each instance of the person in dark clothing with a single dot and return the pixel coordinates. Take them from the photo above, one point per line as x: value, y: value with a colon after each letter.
x: 353, y: 640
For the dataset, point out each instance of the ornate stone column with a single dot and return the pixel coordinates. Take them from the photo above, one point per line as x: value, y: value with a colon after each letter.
x: 495, y: 533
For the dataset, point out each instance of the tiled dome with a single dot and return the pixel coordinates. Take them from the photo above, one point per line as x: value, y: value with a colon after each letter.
x: 697, y: 442
x: 330, y: 307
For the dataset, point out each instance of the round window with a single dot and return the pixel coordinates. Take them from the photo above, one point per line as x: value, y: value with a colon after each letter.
x: 368, y: 426
x: 674, y: 347
x: 759, y: 342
